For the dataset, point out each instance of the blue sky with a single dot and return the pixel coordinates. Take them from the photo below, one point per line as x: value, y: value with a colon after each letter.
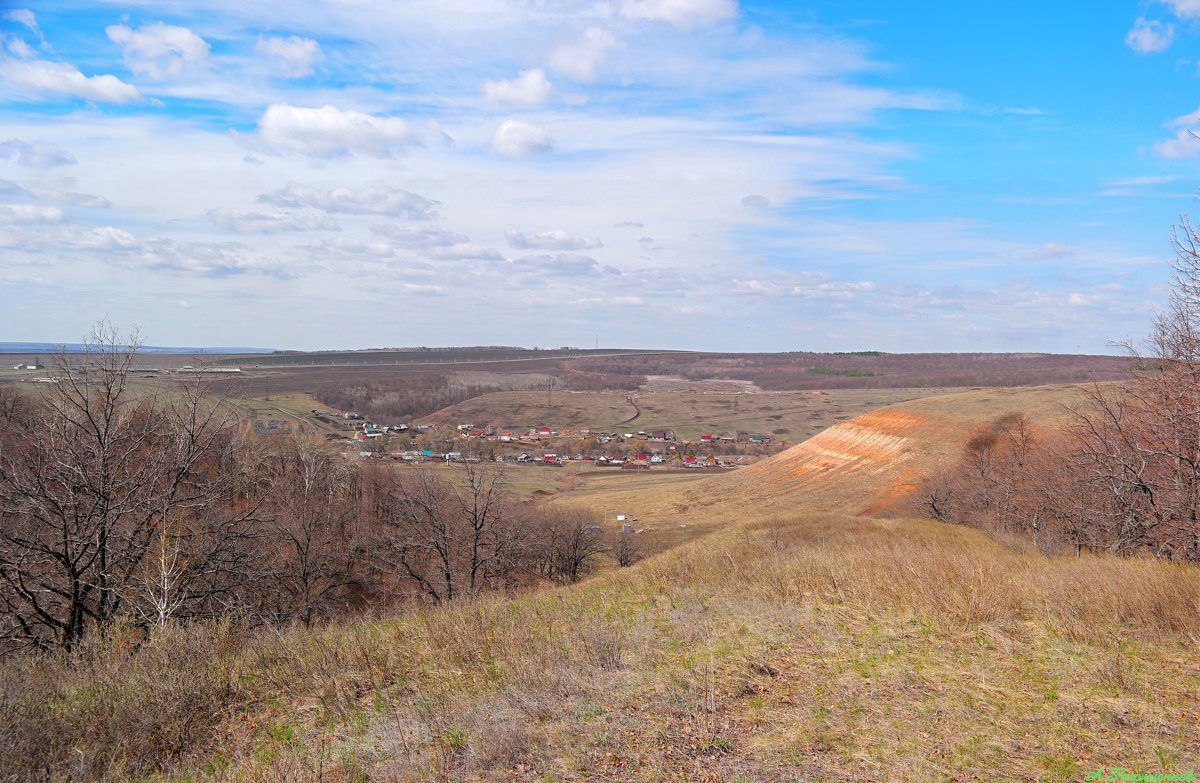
x: 709, y: 174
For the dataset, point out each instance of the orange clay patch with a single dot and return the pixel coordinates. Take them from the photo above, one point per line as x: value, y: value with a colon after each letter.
x: 874, y: 441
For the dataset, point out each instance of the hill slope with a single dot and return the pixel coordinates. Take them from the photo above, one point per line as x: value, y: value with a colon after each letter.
x: 857, y: 466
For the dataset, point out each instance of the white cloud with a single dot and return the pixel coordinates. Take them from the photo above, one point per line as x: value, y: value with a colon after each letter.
x: 579, y: 58
x: 259, y: 223
x: 329, y: 132
x: 420, y: 236
x: 377, y: 199
x: 25, y: 17
x: 550, y: 240
x: 1049, y: 250
x: 210, y: 259
x: 684, y: 14
x: 159, y: 51
x: 292, y: 56
x: 19, y: 48
x: 529, y: 89
x: 29, y: 213
x: 1149, y: 35
x: 466, y: 251
x: 42, y: 77
x: 559, y: 264
x: 756, y: 201
x: 36, y: 155
x: 1182, y: 145
x: 106, y: 238
x: 521, y: 139
x: 1184, y: 9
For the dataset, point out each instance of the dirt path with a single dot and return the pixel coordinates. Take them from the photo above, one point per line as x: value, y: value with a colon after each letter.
x: 636, y: 410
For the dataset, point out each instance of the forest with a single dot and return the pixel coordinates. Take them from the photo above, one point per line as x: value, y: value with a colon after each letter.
x: 146, y: 506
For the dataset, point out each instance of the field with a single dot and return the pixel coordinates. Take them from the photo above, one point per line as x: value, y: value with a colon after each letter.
x: 785, y: 415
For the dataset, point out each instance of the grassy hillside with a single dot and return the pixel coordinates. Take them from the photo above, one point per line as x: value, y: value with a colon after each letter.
x: 859, y: 466
x: 818, y: 647
x: 796, y: 641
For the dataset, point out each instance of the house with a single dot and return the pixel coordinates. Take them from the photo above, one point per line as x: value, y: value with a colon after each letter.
x: 658, y: 434
x: 656, y: 459
x: 710, y: 461
x: 706, y: 438
x: 34, y: 365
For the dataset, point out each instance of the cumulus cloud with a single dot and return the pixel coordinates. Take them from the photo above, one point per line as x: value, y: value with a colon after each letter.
x: 210, y: 259
x: 106, y: 238
x: 36, y: 155
x: 330, y: 132
x: 550, y: 240
x: 1182, y: 145
x: 30, y: 213
x: 420, y: 236
x: 559, y: 264
x: 259, y: 223
x: 578, y: 59
x: 521, y: 139
x: 292, y: 56
x: 466, y: 251
x: 42, y: 77
x: 628, y: 224
x: 1184, y: 9
x: 684, y: 14
x: 377, y: 199
x: 159, y: 51
x: 755, y: 201
x: 529, y: 89
x: 1149, y: 35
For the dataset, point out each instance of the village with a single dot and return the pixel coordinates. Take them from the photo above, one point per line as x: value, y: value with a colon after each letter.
x: 545, y: 445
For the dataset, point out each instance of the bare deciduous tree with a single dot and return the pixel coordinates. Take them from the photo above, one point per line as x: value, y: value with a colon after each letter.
x: 452, y: 537
x: 91, y: 477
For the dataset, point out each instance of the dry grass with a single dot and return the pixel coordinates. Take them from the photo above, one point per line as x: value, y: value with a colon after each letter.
x: 814, y: 647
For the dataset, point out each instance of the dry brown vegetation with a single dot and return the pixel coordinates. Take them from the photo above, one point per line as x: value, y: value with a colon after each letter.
x: 811, y: 647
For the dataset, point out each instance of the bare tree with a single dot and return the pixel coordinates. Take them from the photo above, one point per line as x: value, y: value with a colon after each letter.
x: 627, y: 550
x: 312, y: 527
x: 90, y: 479
x: 567, y: 545
x: 452, y: 537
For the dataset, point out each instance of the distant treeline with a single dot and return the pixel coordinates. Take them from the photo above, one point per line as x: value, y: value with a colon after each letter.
x: 419, y: 394
x: 870, y: 369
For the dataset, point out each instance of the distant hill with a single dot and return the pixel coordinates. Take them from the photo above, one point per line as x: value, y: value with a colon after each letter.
x: 49, y: 348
